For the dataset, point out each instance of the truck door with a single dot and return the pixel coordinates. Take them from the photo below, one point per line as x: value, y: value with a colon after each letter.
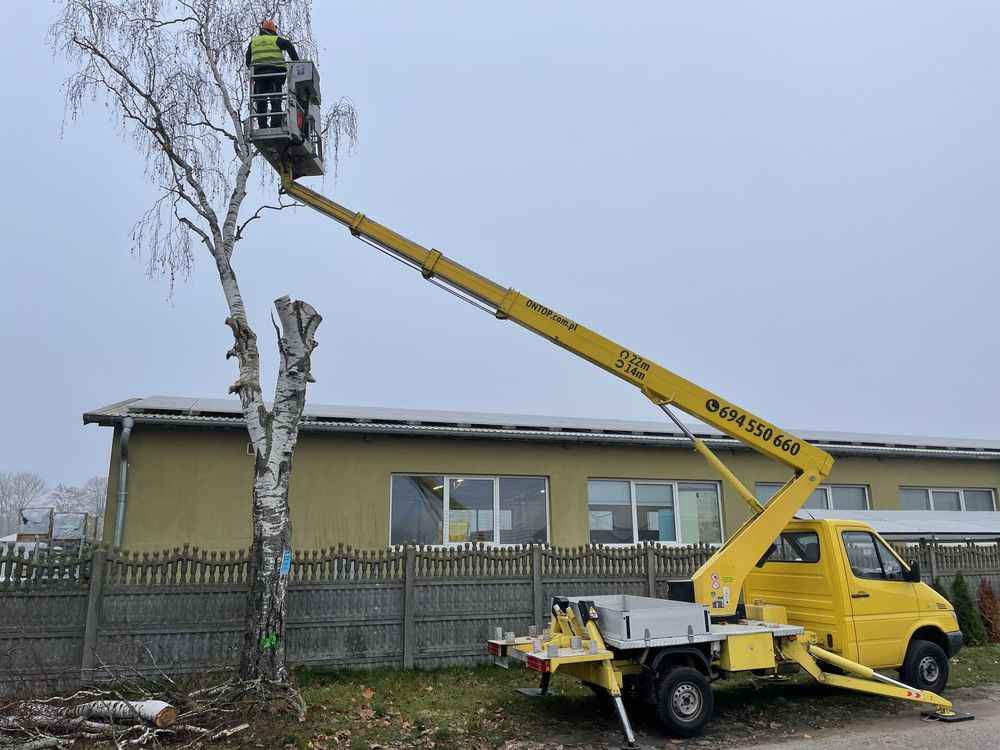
x: 883, y: 604
x: 797, y: 577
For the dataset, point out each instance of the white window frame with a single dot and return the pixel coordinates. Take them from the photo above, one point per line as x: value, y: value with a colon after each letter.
x: 446, y: 502
x: 961, y: 496
x: 827, y: 491
x: 635, y: 516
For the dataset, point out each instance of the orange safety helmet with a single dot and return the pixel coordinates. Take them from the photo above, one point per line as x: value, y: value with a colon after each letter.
x: 268, y: 25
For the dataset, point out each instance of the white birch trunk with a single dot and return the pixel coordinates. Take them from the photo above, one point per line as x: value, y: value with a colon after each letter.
x: 264, y: 641
x: 158, y: 713
x: 77, y: 718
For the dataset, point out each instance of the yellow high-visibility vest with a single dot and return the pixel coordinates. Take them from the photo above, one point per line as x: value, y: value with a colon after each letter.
x: 264, y: 51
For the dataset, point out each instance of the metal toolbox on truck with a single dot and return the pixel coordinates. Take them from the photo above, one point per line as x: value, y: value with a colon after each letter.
x: 623, y: 617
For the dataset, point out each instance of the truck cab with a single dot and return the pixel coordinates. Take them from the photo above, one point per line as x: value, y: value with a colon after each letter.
x: 842, y: 581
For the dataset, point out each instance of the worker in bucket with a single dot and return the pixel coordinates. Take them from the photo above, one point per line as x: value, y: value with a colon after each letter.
x: 266, y: 60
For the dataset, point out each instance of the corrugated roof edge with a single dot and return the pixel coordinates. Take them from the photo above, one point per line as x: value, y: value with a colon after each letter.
x: 92, y: 416
x: 918, y: 524
x: 221, y: 413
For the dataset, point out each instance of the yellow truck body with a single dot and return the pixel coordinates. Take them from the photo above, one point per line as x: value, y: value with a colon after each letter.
x: 841, y: 581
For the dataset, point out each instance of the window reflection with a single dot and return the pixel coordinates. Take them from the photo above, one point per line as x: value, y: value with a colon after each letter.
x: 609, y: 512
x: 470, y: 510
x: 416, y: 510
x: 522, y: 510
x: 870, y: 558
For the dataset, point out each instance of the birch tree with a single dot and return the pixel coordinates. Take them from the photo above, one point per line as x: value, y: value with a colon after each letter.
x: 173, y: 74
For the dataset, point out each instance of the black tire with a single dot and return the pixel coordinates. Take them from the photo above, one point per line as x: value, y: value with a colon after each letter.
x: 684, y: 701
x: 925, y: 666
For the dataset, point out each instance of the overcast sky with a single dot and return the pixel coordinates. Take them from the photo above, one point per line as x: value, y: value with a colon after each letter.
x: 792, y: 204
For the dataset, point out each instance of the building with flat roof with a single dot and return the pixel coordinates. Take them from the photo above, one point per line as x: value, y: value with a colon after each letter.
x: 372, y: 477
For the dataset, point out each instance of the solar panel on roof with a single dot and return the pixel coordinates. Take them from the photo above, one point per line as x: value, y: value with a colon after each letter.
x: 607, y: 429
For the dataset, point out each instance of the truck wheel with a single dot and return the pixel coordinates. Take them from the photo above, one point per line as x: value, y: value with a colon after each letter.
x: 925, y: 666
x: 684, y: 701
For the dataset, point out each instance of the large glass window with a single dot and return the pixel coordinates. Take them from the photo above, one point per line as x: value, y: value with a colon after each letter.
x: 624, y: 511
x: 824, y: 497
x: 440, y: 509
x: 927, y: 498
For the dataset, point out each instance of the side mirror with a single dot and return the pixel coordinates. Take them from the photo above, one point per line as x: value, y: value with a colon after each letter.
x: 913, y: 574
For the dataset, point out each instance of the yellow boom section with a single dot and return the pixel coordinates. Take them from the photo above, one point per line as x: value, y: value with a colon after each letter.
x: 731, y: 563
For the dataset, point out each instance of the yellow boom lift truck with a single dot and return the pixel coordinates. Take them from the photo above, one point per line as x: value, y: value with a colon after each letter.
x: 780, y: 595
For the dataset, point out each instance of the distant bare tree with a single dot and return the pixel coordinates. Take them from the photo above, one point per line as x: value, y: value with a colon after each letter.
x: 18, y: 490
x: 91, y: 498
x: 97, y: 492
x: 69, y: 499
x: 174, y: 77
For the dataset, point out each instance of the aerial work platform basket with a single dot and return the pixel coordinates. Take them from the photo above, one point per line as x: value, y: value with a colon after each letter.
x: 284, y: 119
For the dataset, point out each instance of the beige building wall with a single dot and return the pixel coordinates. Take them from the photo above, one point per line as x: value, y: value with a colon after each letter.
x: 193, y: 485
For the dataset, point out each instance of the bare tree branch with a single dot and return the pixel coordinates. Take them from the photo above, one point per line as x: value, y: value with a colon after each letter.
x: 257, y: 215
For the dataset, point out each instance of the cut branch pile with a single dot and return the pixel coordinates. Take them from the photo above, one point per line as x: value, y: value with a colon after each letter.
x: 206, y: 715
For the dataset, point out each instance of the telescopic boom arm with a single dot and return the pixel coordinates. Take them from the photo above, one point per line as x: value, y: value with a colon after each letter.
x: 718, y: 582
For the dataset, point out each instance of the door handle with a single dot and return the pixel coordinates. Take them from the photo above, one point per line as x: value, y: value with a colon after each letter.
x: 861, y: 595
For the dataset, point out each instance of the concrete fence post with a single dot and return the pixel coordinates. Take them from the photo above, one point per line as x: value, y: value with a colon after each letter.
x: 537, y: 586
x: 97, y: 567
x: 651, y: 569
x: 409, y: 597
x: 932, y: 552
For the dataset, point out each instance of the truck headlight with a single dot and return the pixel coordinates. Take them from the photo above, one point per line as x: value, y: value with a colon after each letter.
x: 954, y: 616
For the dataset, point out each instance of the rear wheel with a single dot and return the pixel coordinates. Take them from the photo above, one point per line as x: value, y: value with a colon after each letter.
x: 684, y: 701
x: 925, y: 666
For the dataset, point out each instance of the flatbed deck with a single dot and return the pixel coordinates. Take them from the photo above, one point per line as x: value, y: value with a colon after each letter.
x: 717, y: 634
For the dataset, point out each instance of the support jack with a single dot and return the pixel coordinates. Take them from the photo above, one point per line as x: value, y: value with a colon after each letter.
x: 542, y: 691
x: 948, y: 717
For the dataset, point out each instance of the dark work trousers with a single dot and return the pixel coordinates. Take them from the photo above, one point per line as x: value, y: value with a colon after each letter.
x: 268, y: 85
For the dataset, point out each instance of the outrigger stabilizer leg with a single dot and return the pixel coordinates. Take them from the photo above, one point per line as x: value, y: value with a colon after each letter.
x: 627, y: 733
x: 867, y: 679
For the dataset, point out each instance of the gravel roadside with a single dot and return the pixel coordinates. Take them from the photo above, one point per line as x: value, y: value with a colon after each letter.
x: 908, y: 730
